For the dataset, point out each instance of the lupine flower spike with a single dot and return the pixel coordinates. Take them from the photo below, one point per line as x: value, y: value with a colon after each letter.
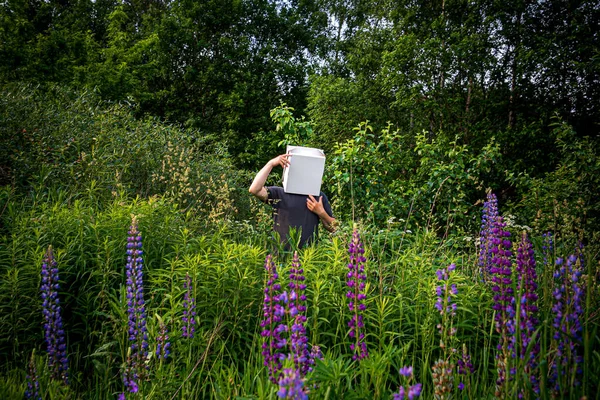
x: 189, y: 309
x: 162, y: 342
x: 297, y: 311
x: 441, y: 373
x: 407, y: 391
x: 503, y: 303
x: 291, y: 385
x: 527, y: 317
x: 465, y: 366
x: 54, y: 333
x: 356, y: 295
x: 33, y: 385
x: 442, y: 369
x: 548, y: 268
x: 444, y: 291
x: 488, y: 223
x: 272, y: 326
x: 136, y: 365
x: 568, y: 310
x: 315, y: 353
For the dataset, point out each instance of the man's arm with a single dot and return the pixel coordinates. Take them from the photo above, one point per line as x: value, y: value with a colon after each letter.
x: 315, y: 206
x: 257, y: 188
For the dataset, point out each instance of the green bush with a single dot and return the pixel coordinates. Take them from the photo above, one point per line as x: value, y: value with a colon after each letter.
x: 54, y: 137
x: 421, y: 181
x: 565, y: 200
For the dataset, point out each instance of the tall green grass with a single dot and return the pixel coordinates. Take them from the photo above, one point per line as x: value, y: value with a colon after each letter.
x: 223, y: 360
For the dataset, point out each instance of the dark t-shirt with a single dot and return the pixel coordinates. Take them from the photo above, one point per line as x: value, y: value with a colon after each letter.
x: 290, y: 211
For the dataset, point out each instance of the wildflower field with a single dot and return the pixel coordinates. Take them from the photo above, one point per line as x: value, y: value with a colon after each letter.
x: 126, y: 302
x: 134, y: 264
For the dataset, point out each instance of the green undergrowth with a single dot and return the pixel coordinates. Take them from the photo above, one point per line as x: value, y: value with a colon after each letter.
x: 226, y: 263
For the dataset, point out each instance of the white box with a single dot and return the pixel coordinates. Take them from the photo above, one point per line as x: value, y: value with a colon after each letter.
x: 305, y: 172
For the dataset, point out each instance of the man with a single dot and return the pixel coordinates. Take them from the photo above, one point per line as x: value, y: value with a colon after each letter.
x: 297, y: 211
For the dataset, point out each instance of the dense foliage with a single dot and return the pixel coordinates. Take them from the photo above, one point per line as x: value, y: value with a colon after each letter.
x: 221, y: 276
x: 478, y: 69
x: 132, y: 258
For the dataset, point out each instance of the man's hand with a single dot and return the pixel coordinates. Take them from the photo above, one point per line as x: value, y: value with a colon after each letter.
x: 283, y: 160
x: 314, y: 205
x: 317, y: 207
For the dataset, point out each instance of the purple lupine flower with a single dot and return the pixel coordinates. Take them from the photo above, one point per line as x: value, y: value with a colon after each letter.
x: 136, y: 366
x: 356, y: 295
x: 465, y: 366
x: 54, y: 333
x: 272, y: 325
x: 411, y: 391
x: 189, y: 309
x: 297, y: 311
x: 503, y: 299
x: 528, y: 322
x: 400, y: 395
x: 414, y: 391
x: 315, y: 354
x: 162, y: 342
x: 568, y: 310
x: 547, y: 248
x: 488, y: 223
x: 33, y: 385
x: 445, y: 291
x: 291, y: 385
x: 442, y: 369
